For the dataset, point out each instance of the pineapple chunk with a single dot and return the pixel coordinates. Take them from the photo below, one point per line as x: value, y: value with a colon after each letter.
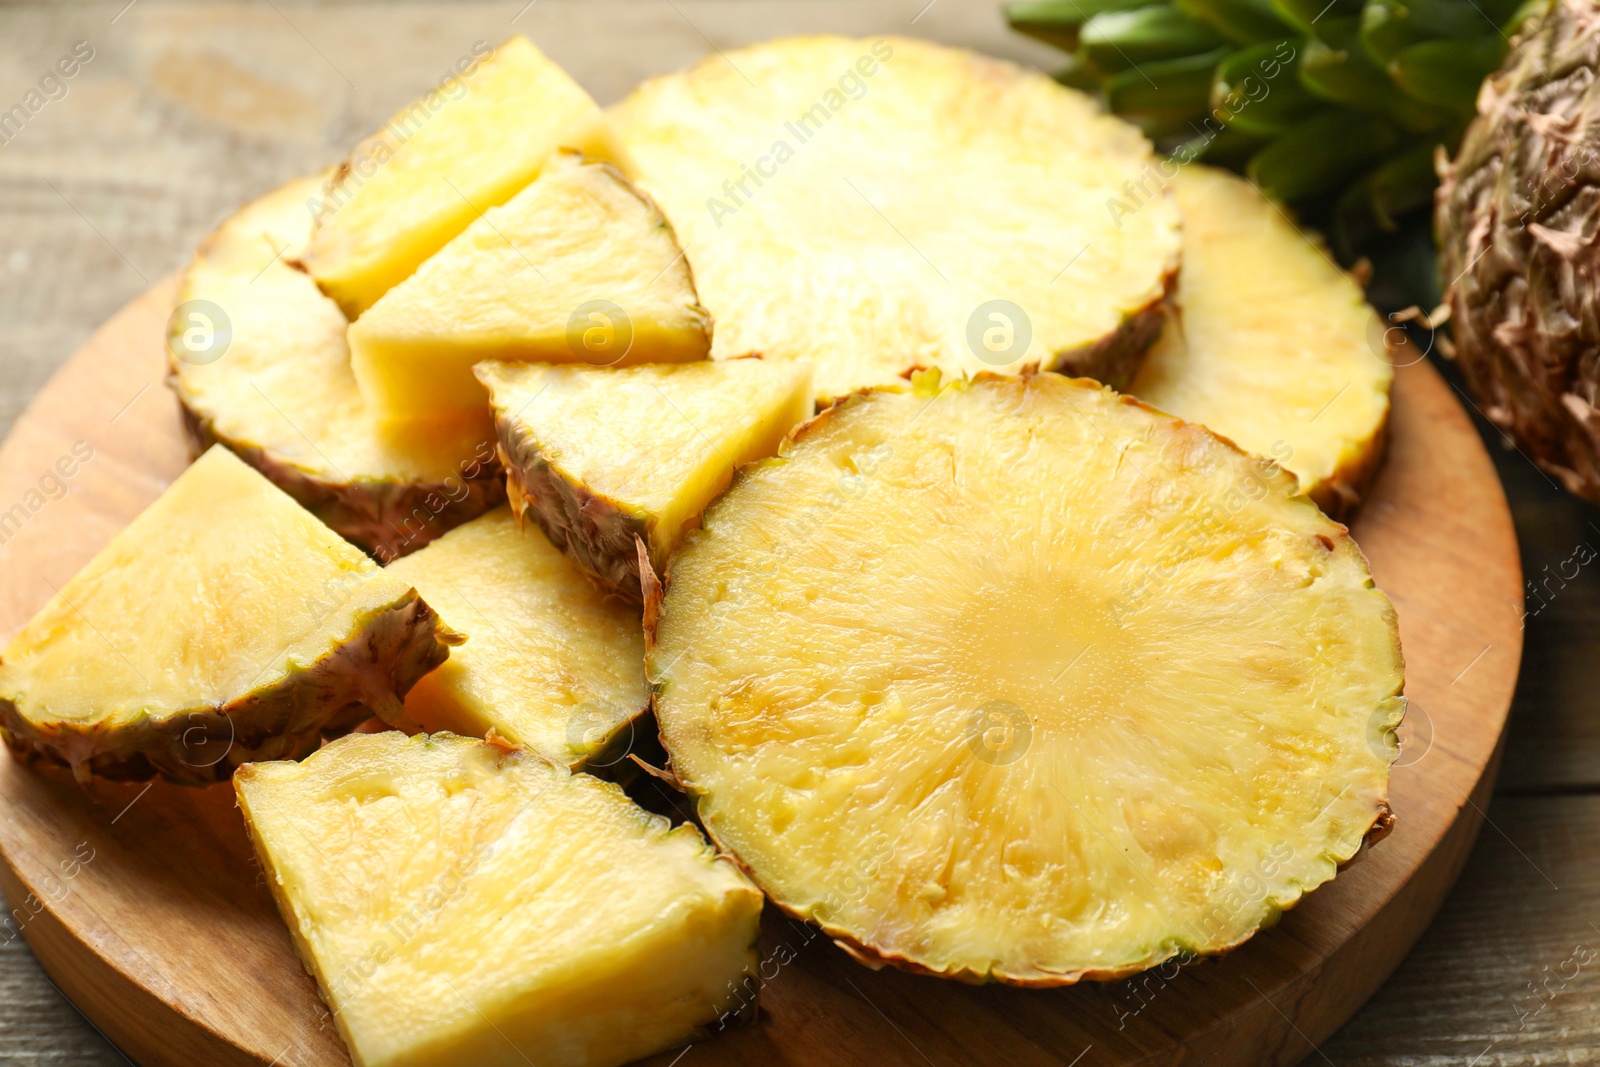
x: 280, y: 394
x: 462, y: 904
x: 542, y: 278
x: 1274, y: 347
x: 874, y: 205
x: 610, y: 460
x: 1059, y: 689
x: 224, y: 625
x: 552, y: 664
x: 439, y: 163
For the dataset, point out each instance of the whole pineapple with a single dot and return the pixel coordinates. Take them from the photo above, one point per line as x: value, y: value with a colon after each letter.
x: 1517, y: 216
x: 1335, y: 105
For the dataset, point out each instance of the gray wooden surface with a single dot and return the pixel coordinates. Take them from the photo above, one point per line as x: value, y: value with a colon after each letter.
x: 188, y: 109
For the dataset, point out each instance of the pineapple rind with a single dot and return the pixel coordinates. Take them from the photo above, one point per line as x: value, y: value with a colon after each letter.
x: 1270, y: 344
x: 645, y: 506
x: 358, y: 660
x: 766, y: 735
x: 522, y: 912
x: 389, y: 489
x: 553, y: 664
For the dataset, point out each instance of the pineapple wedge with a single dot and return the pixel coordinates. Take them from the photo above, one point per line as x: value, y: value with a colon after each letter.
x: 1272, y: 346
x: 461, y: 904
x: 869, y: 206
x: 616, y: 465
x: 224, y: 625
x: 278, y: 391
x: 1062, y: 687
x: 439, y: 163
x: 552, y: 665
x: 578, y: 266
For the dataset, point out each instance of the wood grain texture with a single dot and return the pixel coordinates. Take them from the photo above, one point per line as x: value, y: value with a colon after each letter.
x: 145, y: 904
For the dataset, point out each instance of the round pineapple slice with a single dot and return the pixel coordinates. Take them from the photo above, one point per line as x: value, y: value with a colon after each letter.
x: 868, y: 206
x: 1271, y: 344
x: 1024, y: 681
x: 259, y: 362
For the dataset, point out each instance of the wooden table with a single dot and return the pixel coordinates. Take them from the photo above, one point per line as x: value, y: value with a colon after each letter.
x: 188, y: 109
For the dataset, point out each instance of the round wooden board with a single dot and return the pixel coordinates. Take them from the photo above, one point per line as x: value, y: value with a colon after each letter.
x: 145, y: 905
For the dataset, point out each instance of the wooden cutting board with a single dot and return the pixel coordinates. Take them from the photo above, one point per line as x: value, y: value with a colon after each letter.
x: 146, y: 906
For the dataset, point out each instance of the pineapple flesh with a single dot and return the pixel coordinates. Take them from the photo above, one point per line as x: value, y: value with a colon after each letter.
x: 224, y: 625
x: 579, y: 266
x: 277, y: 390
x: 552, y: 664
x: 870, y: 206
x: 459, y: 903
x: 616, y: 465
x: 1024, y: 681
x: 439, y: 163
x: 1272, y: 345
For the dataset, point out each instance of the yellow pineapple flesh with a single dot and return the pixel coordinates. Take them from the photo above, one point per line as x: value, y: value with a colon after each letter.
x: 869, y: 206
x: 1271, y: 344
x: 608, y: 460
x: 225, y: 624
x: 459, y: 904
x: 1020, y: 680
x: 550, y: 663
x: 275, y: 386
x: 439, y: 163
x: 578, y: 267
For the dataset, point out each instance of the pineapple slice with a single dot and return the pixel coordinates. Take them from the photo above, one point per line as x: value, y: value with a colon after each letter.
x: 578, y: 266
x: 441, y: 161
x: 276, y: 388
x: 1274, y: 347
x: 224, y: 625
x: 869, y: 206
x: 462, y: 904
x: 552, y: 664
x: 1057, y: 688
x: 616, y: 465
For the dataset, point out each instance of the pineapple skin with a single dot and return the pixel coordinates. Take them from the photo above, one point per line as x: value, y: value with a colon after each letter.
x: 368, y: 675
x: 385, y: 517
x: 1512, y: 217
x: 606, y: 541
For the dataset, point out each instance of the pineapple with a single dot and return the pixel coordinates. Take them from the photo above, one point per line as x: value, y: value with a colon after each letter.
x: 1272, y: 345
x: 224, y: 625
x: 460, y: 904
x: 874, y: 205
x: 616, y: 465
x: 578, y: 266
x: 440, y: 163
x: 1024, y: 681
x: 276, y: 388
x: 552, y: 665
x: 1514, y: 219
